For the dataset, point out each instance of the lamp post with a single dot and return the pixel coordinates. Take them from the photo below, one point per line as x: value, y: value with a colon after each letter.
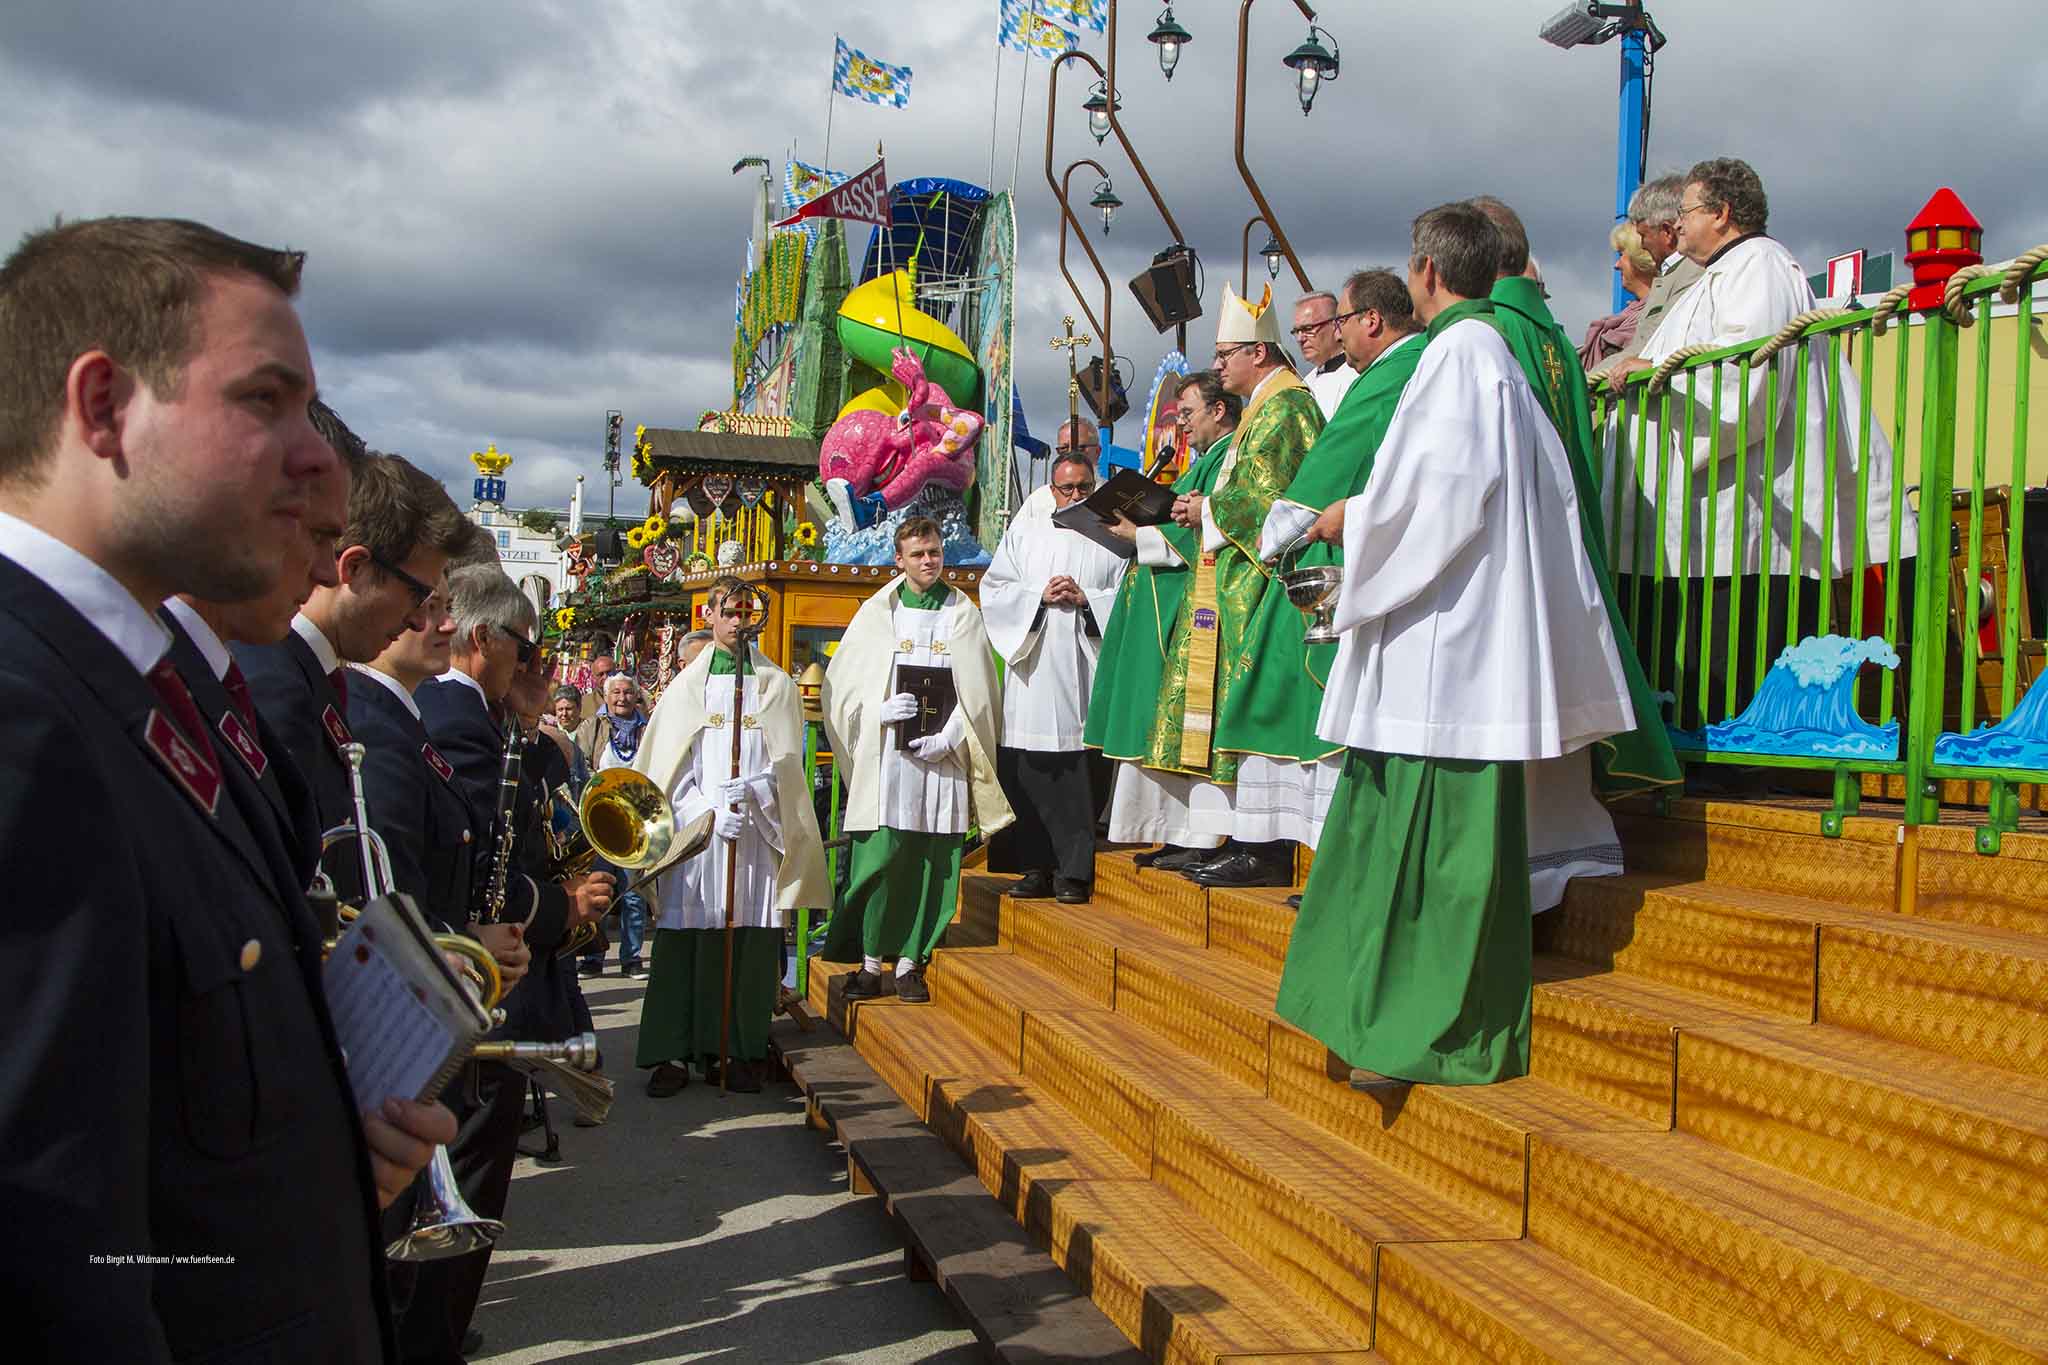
x: 1106, y: 202
x: 1067, y: 216
x: 1098, y: 107
x: 1271, y: 251
x: 1171, y: 38
x: 1588, y: 23
x: 1312, y: 64
x: 1307, y: 85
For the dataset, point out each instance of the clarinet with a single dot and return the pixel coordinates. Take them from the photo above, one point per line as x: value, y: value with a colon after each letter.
x: 508, y: 802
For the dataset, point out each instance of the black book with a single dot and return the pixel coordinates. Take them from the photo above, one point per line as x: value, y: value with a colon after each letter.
x: 933, y: 688
x: 1128, y: 494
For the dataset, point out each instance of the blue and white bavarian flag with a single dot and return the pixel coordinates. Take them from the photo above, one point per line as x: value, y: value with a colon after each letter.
x: 1021, y: 26
x: 1092, y: 15
x: 860, y: 76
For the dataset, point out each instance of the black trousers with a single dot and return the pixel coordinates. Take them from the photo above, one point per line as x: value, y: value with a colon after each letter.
x: 485, y: 1147
x: 1055, y: 798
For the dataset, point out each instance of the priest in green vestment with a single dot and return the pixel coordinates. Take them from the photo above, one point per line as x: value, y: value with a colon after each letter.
x: 1570, y: 833
x: 1475, y: 649
x: 1286, y: 772
x: 1205, y: 657
x: 765, y: 846
x: 914, y: 714
x: 1150, y: 805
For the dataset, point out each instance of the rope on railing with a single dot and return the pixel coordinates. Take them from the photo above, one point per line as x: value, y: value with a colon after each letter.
x: 1791, y: 331
x: 2022, y: 268
x: 1952, y: 302
x: 1888, y: 307
x: 1669, y: 365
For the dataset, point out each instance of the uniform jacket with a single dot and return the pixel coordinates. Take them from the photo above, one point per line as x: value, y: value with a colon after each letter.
x: 301, y: 710
x: 414, y: 803
x: 171, y: 1080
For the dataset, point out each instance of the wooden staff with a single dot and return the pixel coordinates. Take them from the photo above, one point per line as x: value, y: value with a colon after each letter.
x: 743, y: 647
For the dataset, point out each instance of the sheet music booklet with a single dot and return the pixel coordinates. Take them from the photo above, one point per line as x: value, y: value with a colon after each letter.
x: 405, y: 1020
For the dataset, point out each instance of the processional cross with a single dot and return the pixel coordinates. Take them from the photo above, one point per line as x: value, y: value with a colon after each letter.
x: 1068, y: 343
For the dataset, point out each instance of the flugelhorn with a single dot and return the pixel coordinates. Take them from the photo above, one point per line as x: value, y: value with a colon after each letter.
x: 624, y: 819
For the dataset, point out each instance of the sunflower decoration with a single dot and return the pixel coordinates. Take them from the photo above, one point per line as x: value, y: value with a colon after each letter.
x: 806, y: 538
x: 654, y: 528
x: 565, y: 617
x: 637, y: 537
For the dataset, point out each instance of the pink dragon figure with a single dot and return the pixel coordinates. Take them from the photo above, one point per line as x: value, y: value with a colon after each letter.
x: 872, y: 464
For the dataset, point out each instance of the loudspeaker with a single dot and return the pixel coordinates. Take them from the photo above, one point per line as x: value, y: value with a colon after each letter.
x: 1103, y: 392
x: 1166, y: 290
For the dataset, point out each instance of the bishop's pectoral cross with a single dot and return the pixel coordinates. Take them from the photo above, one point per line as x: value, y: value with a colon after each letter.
x: 1068, y: 343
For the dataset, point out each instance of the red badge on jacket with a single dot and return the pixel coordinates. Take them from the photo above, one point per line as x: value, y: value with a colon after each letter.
x: 244, y: 744
x: 186, y: 765
x: 439, y: 764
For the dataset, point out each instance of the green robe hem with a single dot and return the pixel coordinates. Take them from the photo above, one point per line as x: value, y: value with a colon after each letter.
x: 686, y: 984
x: 1412, y: 953
x: 902, y: 889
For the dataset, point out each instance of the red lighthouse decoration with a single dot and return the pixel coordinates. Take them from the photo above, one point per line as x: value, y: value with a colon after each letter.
x: 1942, y: 238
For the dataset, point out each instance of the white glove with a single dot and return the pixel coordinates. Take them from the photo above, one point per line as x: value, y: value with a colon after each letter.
x: 728, y: 824
x: 734, y: 791
x: 931, y: 748
x: 902, y: 706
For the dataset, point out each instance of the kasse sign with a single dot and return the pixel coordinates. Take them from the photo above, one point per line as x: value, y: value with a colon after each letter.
x: 864, y: 199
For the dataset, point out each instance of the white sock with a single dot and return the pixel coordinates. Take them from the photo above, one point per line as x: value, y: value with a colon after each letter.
x: 905, y: 964
x: 871, y: 964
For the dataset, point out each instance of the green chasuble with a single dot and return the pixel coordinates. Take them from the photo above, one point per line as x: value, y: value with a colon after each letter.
x: 1278, y: 428
x: 1641, y: 758
x: 1411, y: 955
x: 679, y: 1016
x: 1272, y: 709
x: 1133, y: 658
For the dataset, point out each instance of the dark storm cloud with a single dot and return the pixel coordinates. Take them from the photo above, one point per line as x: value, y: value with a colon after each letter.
x: 520, y: 214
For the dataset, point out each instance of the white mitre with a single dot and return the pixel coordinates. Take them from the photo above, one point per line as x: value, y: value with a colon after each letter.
x: 1242, y: 321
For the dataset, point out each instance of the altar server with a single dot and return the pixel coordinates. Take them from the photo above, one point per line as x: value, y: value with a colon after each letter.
x: 1046, y: 597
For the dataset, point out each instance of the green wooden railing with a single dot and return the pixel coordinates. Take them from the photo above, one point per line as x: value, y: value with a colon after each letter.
x: 1694, y: 469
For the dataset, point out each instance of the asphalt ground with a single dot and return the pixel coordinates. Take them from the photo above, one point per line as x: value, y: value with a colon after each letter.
x: 699, y: 1228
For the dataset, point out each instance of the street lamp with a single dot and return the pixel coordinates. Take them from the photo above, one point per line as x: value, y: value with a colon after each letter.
x: 1105, y: 199
x: 1312, y: 64
x: 1099, y: 106
x: 1171, y: 38
x: 1274, y: 254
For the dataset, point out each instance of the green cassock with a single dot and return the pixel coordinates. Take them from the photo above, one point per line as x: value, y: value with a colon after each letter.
x: 1265, y: 456
x: 1642, y: 758
x: 1272, y: 709
x: 1133, y: 657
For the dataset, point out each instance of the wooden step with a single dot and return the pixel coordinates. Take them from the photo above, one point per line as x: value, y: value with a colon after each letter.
x: 913, y: 1047
x: 1252, y: 925
x: 1514, y: 1303
x: 1765, y: 847
x: 1167, y: 901
x: 1771, y: 1265
x: 1179, y: 1288
x: 1952, y: 1144
x: 1613, y: 1039
x: 1310, y: 1207
x: 1959, y: 885
x: 1969, y: 992
x: 1749, y: 947
x: 1023, y: 1145
x: 989, y: 990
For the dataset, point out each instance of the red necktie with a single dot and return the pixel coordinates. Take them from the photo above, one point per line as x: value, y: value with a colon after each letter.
x: 338, y: 679
x: 238, y: 693
x: 177, y: 700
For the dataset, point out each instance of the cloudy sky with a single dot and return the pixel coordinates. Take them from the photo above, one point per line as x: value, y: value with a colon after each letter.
x: 519, y: 213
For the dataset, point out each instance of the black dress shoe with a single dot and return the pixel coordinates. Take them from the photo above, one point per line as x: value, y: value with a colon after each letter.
x: 1293, y: 902
x: 863, y: 985
x: 745, y: 1079
x: 1241, y: 869
x: 1034, y: 885
x: 1072, y: 893
x: 1181, y: 859
x: 910, y: 987
x: 667, y: 1079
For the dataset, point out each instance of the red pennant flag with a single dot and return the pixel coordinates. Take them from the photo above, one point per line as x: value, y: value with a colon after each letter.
x: 863, y: 199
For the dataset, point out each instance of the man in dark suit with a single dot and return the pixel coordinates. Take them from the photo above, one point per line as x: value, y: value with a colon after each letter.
x: 402, y: 526
x: 172, y: 1078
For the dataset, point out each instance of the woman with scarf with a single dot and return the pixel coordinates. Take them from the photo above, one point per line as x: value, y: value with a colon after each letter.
x: 611, y: 739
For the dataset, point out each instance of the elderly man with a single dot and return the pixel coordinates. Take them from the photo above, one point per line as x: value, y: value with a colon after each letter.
x: 1206, y: 655
x: 1750, y: 287
x: 1150, y: 799
x: 593, y: 700
x: 1327, y: 370
x: 1287, y: 772
x: 611, y: 739
x: 1045, y: 597
x: 1475, y: 649
x: 1653, y: 212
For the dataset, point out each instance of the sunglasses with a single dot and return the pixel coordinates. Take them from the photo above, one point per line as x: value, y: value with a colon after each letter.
x: 524, y: 646
x: 420, y: 591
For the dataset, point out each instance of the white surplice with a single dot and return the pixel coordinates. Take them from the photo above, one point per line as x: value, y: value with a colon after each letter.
x: 1329, y: 386
x: 1048, y: 650
x: 1148, y: 806
x: 1751, y: 290
x: 1474, y: 626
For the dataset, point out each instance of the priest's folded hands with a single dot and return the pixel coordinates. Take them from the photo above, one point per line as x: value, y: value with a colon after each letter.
x: 1187, y: 510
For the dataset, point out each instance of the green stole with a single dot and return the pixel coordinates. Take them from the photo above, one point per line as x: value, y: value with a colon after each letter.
x: 722, y: 663
x: 1273, y: 709
x: 1127, y: 672
x: 932, y: 599
x: 1642, y: 758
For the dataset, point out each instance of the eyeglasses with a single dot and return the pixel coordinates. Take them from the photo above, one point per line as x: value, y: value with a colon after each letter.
x: 1069, y: 448
x: 1076, y: 489
x: 525, y: 646
x: 1354, y: 313
x: 420, y: 591
x: 1304, y: 332
x: 1223, y: 353
x: 1696, y: 208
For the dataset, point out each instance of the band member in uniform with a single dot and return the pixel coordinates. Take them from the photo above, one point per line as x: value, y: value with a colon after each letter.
x: 171, y: 1080
x: 765, y: 852
x: 402, y: 526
